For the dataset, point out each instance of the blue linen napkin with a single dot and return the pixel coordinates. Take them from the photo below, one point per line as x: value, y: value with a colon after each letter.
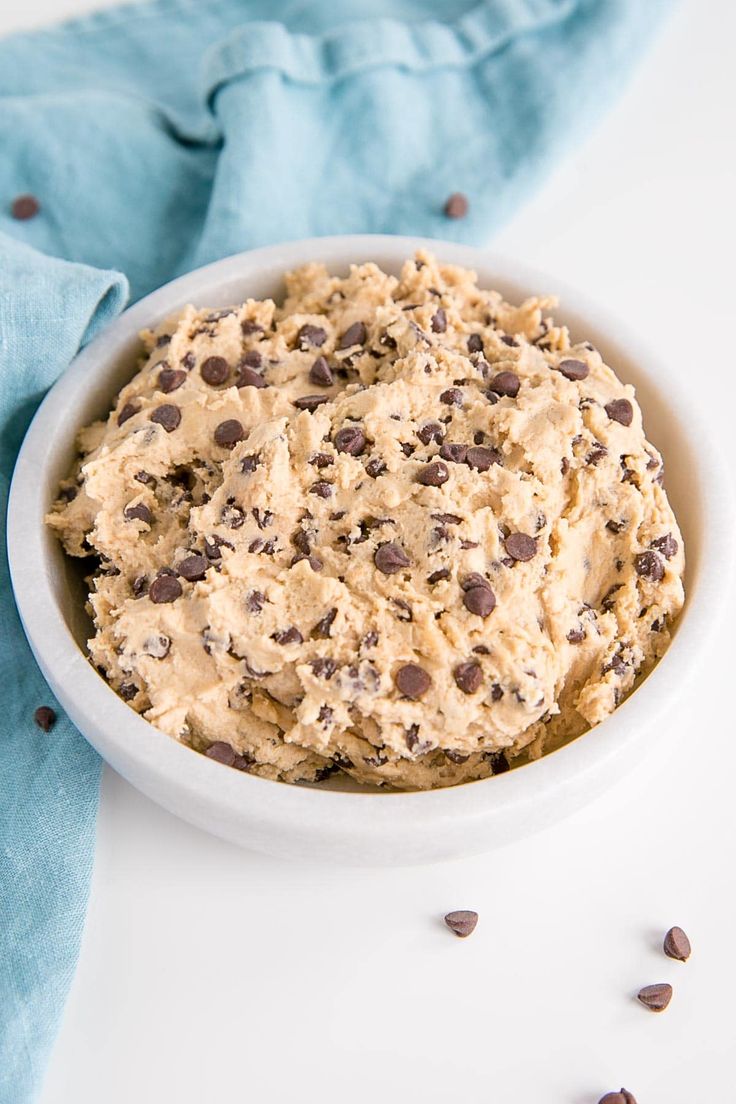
x: 160, y: 136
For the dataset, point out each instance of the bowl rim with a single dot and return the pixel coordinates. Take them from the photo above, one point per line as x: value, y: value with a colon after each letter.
x: 94, y: 706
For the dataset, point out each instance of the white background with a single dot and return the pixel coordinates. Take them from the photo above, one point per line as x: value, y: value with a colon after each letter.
x: 213, y: 975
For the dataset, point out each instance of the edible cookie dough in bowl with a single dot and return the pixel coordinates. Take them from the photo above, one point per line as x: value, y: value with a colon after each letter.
x: 368, y: 516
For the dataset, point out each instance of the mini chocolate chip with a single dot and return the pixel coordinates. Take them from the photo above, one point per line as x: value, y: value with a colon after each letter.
x: 157, y: 647
x: 412, y: 680
x: 248, y: 327
x: 167, y: 415
x: 433, y: 475
x: 649, y: 566
x: 310, y: 336
x: 576, y: 636
x: 45, y: 717
x: 188, y: 361
x: 322, y: 489
x: 622, y: 1097
x: 437, y: 576
x: 475, y: 343
x: 139, y: 512
x: 456, y: 206
x: 431, y: 431
x: 221, y: 753
x: 407, y: 449
x: 354, y: 335
x: 677, y: 945
x: 350, y: 439
x: 505, y: 383
x: 520, y: 546
x: 615, y: 526
x: 462, y: 922
x: 288, y: 636
x: 228, y: 433
x: 310, y: 402
x: 320, y: 373
x: 468, y: 676
x: 321, y: 630
x: 166, y: 588
x: 375, y: 467
x: 169, y: 379
x: 232, y: 516
x: 128, y: 411
x: 249, y: 464
x: 452, y: 397
x: 510, y: 341
x: 666, y: 545
x: 390, y: 558
x: 656, y: 997
x: 479, y: 600
x: 128, y: 691
x: 214, y: 370
x: 439, y: 321
x: 573, y: 369
x: 481, y: 458
x: 252, y: 359
x: 139, y: 586
x: 193, y: 568
x: 144, y: 477
x: 620, y: 410
x: 456, y: 454
x: 248, y: 377
x: 25, y: 207
x: 455, y: 756
x: 321, y: 460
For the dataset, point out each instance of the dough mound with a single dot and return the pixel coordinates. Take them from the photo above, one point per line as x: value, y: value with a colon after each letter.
x: 394, y: 527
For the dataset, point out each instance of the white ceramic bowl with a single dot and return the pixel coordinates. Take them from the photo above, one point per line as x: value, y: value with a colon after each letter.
x: 351, y: 827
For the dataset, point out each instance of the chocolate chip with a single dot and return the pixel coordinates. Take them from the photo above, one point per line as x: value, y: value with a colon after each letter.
x: 433, y: 475
x: 139, y: 512
x: 573, y: 369
x: 221, y: 753
x: 232, y: 516
x: 193, y: 568
x: 321, y: 630
x: 45, y: 717
x: 439, y: 321
x: 496, y: 692
x: 167, y: 415
x: 620, y: 410
x: 520, y: 546
x: 456, y: 206
x: 390, y: 558
x: 505, y: 383
x: 354, y: 335
x: 375, y: 467
x: 128, y: 411
x: 128, y: 691
x: 24, y: 207
x: 248, y: 327
x: 576, y: 636
x: 412, y: 680
x: 248, y: 377
x: 249, y: 464
x: 320, y: 373
x: 252, y: 359
x: 456, y: 756
x: 481, y: 458
x: 322, y: 489
x: 649, y: 566
x: 677, y: 945
x: 165, y: 588
x: 169, y: 379
x: 667, y: 546
x: 437, y: 576
x: 475, y: 343
x: 214, y: 370
x: 254, y: 601
x: 139, y: 586
x: 622, y: 1097
x: 310, y: 336
x: 288, y: 636
x: 479, y: 600
x: 188, y: 361
x: 310, y: 402
x: 350, y: 439
x: 456, y: 454
x: 656, y: 997
x: 157, y: 647
x: 228, y: 433
x: 452, y: 397
x: 510, y: 341
x: 462, y: 922
x: 468, y: 676
x: 431, y: 431
x: 448, y: 519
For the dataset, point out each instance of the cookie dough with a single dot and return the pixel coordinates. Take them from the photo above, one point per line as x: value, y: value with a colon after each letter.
x: 393, y: 527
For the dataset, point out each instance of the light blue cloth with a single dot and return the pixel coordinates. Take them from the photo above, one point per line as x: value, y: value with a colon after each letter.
x: 161, y: 136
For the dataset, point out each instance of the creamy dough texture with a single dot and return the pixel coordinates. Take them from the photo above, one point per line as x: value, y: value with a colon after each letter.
x: 394, y: 527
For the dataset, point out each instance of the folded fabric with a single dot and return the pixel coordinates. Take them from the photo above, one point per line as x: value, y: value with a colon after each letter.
x: 160, y: 136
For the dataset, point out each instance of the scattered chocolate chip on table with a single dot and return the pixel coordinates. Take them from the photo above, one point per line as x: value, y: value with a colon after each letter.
x: 462, y: 922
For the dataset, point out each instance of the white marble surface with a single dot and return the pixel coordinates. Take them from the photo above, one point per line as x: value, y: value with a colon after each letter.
x: 210, y: 974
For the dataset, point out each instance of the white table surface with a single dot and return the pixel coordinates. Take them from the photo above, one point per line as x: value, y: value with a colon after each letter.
x: 212, y: 975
